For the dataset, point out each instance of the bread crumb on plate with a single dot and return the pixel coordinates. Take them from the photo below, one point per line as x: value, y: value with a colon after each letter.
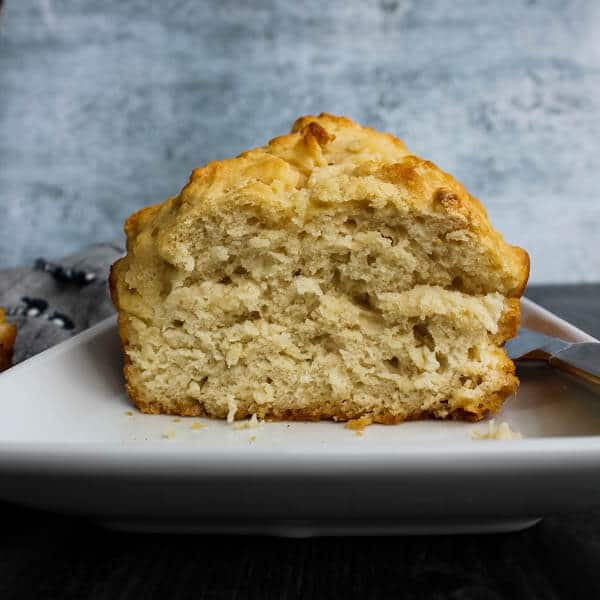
x: 251, y: 423
x: 358, y: 425
x: 496, y: 432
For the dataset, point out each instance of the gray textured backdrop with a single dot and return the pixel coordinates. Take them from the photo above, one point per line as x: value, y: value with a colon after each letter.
x: 107, y: 106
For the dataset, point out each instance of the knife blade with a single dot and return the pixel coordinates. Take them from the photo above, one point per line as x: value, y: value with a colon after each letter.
x: 579, y: 358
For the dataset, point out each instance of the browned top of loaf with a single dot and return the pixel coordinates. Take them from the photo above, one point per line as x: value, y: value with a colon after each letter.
x: 324, y: 160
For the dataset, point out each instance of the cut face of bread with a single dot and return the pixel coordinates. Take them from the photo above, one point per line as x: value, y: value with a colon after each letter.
x: 329, y: 274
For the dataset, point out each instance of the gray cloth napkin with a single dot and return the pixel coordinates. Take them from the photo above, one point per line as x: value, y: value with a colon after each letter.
x: 51, y: 301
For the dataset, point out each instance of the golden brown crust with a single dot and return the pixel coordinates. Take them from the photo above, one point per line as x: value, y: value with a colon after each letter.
x: 193, y: 408
x: 328, y: 139
x: 509, y: 321
x: 135, y: 221
x: 525, y: 264
x: 8, y: 334
x: 112, y: 282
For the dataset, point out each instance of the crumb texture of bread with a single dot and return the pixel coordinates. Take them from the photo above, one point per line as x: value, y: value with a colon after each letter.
x: 8, y: 334
x: 330, y: 274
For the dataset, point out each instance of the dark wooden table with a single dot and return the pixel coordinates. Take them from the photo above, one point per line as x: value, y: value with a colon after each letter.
x: 45, y: 556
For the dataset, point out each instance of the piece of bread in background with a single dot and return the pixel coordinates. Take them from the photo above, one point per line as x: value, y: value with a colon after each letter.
x: 8, y: 334
x: 330, y: 274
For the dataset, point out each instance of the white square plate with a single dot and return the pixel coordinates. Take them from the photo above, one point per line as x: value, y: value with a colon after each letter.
x: 67, y: 444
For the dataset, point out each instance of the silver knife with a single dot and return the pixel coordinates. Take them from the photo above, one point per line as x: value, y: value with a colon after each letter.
x: 579, y: 358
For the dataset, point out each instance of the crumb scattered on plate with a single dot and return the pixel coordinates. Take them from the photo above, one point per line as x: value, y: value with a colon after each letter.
x: 496, y: 432
x: 196, y: 425
x: 358, y: 425
x: 169, y: 434
x: 128, y: 413
x: 177, y: 420
x: 252, y: 438
x: 251, y: 423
